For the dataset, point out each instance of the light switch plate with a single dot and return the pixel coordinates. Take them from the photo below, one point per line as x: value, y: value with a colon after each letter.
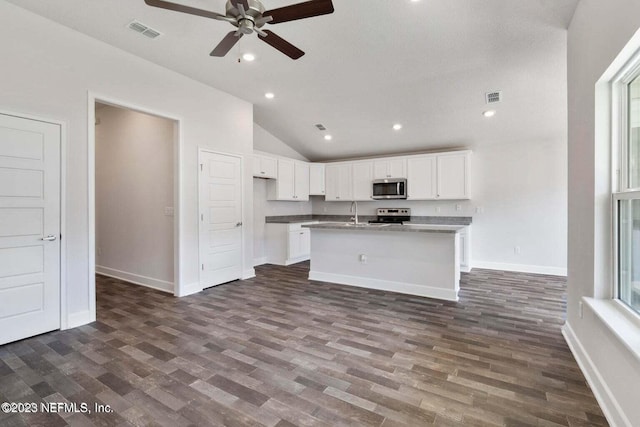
x: 168, y: 211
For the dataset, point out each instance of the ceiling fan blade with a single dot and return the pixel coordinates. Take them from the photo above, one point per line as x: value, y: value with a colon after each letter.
x: 226, y: 44
x: 184, y: 9
x: 281, y: 44
x: 300, y: 11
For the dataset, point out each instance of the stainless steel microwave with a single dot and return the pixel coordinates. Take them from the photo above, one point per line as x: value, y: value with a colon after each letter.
x: 391, y: 188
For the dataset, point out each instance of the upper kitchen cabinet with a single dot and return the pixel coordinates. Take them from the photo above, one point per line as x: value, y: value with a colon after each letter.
x: 453, y: 175
x: 292, y: 182
x: 339, y: 182
x: 362, y: 178
x: 265, y: 167
x: 438, y: 176
x: 390, y: 168
x: 316, y: 179
x: 422, y: 178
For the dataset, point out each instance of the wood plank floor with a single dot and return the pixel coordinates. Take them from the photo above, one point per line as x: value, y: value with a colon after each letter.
x: 279, y: 350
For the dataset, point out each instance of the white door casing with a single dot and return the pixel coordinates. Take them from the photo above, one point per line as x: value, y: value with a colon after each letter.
x: 29, y: 227
x: 220, y: 199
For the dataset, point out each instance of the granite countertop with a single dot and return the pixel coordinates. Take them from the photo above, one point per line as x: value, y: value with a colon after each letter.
x: 419, y: 228
x: 430, y: 220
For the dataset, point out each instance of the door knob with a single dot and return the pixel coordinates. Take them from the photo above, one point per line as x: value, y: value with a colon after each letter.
x: 238, y: 224
x: 49, y: 238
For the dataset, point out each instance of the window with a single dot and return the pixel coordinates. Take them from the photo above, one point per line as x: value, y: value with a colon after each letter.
x: 627, y: 198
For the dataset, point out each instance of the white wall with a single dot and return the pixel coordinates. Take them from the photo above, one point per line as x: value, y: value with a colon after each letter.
x: 597, y: 34
x: 521, y: 189
x: 267, y: 143
x: 48, y: 70
x: 134, y: 184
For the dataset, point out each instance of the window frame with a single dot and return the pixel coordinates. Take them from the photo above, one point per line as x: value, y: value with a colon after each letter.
x: 621, y: 189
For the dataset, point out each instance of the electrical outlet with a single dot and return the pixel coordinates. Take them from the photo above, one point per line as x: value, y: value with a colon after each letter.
x: 516, y: 250
x: 168, y: 211
x: 438, y: 209
x: 458, y: 208
x: 479, y: 210
x: 363, y: 258
x: 99, y: 251
x: 324, y: 209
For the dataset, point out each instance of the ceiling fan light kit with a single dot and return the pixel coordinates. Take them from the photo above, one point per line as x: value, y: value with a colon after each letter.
x: 249, y: 16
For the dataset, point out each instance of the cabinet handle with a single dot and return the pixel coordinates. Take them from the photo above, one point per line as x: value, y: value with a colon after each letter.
x: 301, y: 233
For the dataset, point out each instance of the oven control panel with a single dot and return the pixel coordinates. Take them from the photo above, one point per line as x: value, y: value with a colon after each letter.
x: 394, y: 212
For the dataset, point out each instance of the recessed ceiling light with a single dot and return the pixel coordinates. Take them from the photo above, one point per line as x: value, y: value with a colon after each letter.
x: 249, y: 57
x: 489, y: 113
x: 328, y: 137
x: 269, y: 95
x: 397, y: 126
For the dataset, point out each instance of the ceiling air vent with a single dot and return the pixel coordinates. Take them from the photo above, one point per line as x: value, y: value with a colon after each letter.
x: 139, y: 27
x: 321, y: 127
x: 493, y: 97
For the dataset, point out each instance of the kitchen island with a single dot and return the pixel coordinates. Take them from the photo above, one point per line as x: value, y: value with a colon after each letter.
x: 418, y: 260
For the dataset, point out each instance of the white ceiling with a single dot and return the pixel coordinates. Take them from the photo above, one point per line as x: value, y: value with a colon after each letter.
x: 372, y: 63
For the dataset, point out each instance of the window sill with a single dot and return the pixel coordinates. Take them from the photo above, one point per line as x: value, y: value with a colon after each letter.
x: 622, y: 322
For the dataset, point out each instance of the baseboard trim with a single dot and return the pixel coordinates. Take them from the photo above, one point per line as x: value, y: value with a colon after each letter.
x: 607, y: 401
x: 385, y: 285
x: 137, y: 279
x: 259, y: 261
x: 248, y: 274
x: 190, y: 289
x: 80, y: 318
x: 521, y: 268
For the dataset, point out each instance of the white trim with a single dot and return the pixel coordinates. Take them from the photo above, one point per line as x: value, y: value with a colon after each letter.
x: 521, y: 268
x: 607, y: 401
x: 386, y: 285
x: 64, y: 315
x: 190, y: 289
x: 248, y: 274
x: 80, y: 318
x: 136, y: 279
x: 92, y: 98
x: 622, y: 321
x: 259, y: 261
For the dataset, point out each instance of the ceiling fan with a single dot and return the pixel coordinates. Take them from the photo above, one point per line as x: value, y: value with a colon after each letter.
x: 249, y: 16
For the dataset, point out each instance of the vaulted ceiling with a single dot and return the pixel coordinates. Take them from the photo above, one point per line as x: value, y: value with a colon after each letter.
x: 372, y: 63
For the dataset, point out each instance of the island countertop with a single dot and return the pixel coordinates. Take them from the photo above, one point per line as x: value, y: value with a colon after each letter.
x: 418, y: 228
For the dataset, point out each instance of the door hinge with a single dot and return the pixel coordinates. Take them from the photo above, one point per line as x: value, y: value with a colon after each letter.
x: 203, y: 267
x: 201, y: 217
x: 201, y: 166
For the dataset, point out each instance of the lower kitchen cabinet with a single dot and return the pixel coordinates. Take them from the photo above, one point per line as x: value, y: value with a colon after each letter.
x: 465, y: 249
x: 287, y: 244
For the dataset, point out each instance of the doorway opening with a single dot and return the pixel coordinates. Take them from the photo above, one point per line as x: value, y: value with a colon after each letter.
x: 136, y: 197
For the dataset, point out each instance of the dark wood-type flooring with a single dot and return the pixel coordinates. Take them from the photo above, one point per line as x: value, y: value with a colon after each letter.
x: 279, y: 350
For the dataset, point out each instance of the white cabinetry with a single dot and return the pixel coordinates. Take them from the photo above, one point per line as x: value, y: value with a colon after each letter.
x: 292, y: 182
x: 390, y: 168
x: 362, y: 178
x: 421, y: 178
x: 316, y: 179
x: 265, y: 167
x: 465, y: 249
x: 453, y: 176
x: 339, y: 182
x: 287, y: 243
x: 438, y: 176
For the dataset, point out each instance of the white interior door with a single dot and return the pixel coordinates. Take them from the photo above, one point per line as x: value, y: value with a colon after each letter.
x: 220, y: 219
x: 29, y: 228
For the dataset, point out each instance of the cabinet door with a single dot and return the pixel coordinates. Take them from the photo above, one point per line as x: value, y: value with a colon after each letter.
x: 362, y: 178
x: 269, y: 167
x: 332, y: 182
x: 301, y: 186
x: 265, y: 167
x: 453, y: 171
x: 421, y: 179
x: 295, y: 250
x: 285, y: 181
x: 397, y: 168
x: 381, y: 169
x: 345, y: 182
x: 305, y: 242
x: 316, y: 179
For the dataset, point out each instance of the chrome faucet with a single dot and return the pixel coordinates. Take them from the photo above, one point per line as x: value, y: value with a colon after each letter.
x: 355, y: 218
